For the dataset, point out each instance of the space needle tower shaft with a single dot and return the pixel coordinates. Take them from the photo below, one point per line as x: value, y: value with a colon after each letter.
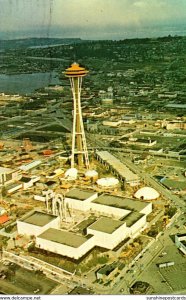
x: 79, y: 147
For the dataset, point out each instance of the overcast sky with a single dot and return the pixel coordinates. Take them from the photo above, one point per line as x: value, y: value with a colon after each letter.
x: 89, y: 18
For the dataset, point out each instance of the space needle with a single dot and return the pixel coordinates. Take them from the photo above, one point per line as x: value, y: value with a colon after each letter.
x: 79, y: 147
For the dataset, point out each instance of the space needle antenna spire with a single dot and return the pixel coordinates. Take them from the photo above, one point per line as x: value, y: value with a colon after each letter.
x: 79, y: 147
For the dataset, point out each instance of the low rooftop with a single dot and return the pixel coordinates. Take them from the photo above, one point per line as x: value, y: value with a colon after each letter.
x: 4, y: 219
x: 107, y: 225
x: 12, y: 185
x: 132, y: 218
x: 63, y: 237
x: 5, y: 170
x: 119, y: 202
x: 172, y: 184
x: 25, y: 179
x: 79, y: 194
x: 38, y: 218
x: 107, y: 269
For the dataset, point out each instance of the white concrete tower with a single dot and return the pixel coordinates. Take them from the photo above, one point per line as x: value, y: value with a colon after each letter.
x: 79, y: 147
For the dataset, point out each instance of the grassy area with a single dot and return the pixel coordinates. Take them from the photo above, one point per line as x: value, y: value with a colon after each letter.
x: 55, y: 127
x: 11, y: 228
x: 170, y: 162
x: 38, y: 137
x: 92, y: 259
x: 156, y: 228
x: 133, y: 249
x: 54, y: 259
x: 3, y: 240
x: 163, y: 141
x: 86, y: 267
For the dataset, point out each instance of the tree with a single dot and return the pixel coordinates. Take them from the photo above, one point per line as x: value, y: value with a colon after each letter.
x: 14, y: 240
x: 3, y: 191
x: 39, y: 273
x: 1, y: 251
x: 171, y: 211
x: 102, y: 260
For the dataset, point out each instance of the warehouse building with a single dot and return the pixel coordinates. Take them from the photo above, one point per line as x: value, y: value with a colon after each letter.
x: 180, y: 241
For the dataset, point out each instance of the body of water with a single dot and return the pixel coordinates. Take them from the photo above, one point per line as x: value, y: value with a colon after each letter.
x: 26, y: 83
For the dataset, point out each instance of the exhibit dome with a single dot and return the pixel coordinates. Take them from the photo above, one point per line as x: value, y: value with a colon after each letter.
x: 146, y: 193
x: 91, y: 174
x: 71, y: 174
x: 107, y: 182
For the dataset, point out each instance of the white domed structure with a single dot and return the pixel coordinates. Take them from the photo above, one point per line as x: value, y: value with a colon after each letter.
x: 91, y: 174
x: 71, y: 174
x: 107, y: 182
x: 146, y: 193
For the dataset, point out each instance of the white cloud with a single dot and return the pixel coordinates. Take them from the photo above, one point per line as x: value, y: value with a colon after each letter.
x: 88, y: 15
x: 118, y: 12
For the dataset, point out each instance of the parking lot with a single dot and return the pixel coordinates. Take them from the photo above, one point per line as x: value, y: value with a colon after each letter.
x: 171, y: 279
x: 21, y: 281
x: 175, y: 276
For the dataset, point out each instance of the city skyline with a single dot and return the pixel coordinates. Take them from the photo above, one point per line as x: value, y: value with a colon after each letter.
x: 91, y: 19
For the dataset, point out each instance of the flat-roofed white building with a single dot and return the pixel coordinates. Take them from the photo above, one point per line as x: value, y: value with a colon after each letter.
x: 135, y: 223
x: 8, y: 175
x: 31, y: 165
x: 105, y: 232
x: 108, y: 233
x: 65, y: 243
x: 108, y: 210
x: 117, y: 219
x: 105, y: 204
x: 80, y: 199
x: 13, y: 187
x: 113, y: 123
x: 180, y: 241
x: 28, y: 182
x: 124, y: 205
x: 35, y: 222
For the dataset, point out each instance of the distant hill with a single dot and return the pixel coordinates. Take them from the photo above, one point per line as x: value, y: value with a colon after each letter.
x: 36, y: 42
